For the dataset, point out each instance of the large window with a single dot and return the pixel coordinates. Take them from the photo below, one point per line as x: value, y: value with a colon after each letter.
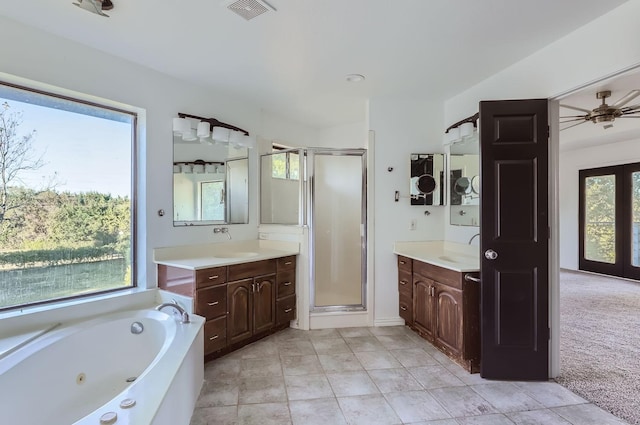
x: 610, y: 220
x: 66, y: 200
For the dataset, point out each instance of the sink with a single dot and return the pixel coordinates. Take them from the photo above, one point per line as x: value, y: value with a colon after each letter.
x: 238, y: 254
x: 457, y: 258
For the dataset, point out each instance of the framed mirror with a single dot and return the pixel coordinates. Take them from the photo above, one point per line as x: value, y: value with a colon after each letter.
x: 426, y: 186
x: 464, y: 183
x: 210, y: 182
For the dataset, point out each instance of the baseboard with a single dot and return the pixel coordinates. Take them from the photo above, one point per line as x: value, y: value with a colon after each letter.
x: 339, y: 320
x: 389, y: 321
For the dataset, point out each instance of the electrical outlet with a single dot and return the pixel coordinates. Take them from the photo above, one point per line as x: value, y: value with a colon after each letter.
x: 413, y: 224
x: 263, y: 236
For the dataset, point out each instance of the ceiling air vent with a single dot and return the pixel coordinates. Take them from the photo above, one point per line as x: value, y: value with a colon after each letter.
x: 249, y: 9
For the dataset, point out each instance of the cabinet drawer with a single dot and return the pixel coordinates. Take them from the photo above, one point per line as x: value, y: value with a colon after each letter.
x: 211, y: 276
x: 253, y: 269
x: 286, y: 263
x: 406, y: 308
x: 286, y: 283
x: 285, y: 310
x: 439, y: 274
x: 211, y: 302
x: 215, y: 334
x: 405, y: 264
x: 404, y: 283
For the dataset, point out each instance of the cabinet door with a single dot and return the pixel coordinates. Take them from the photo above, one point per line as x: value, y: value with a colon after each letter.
x: 264, y: 303
x: 240, y: 310
x: 448, y: 330
x: 423, y: 306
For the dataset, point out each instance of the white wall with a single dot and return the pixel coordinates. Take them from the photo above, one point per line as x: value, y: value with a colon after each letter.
x: 581, y: 57
x: 65, y: 64
x: 401, y: 127
x: 353, y: 135
x: 571, y: 162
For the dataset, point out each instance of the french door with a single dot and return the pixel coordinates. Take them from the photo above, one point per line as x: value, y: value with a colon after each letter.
x: 610, y: 220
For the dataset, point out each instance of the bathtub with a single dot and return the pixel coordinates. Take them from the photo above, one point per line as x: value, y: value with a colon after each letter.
x: 79, y: 373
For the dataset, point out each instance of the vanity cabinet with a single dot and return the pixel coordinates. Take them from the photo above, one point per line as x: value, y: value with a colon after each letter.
x: 285, y: 290
x: 445, y: 309
x: 241, y: 302
x: 251, y: 299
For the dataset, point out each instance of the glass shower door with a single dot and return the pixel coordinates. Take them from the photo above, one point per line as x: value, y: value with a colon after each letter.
x: 338, y: 229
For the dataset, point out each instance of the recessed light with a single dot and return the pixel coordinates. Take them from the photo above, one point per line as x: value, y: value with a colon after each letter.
x: 354, y: 78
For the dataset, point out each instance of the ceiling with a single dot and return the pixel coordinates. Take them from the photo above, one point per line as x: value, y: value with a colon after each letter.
x: 293, y: 61
x: 589, y: 134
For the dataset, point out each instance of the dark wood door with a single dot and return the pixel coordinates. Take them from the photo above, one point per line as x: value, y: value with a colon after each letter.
x: 514, y: 239
x: 423, y: 305
x: 240, y: 310
x: 264, y: 303
x: 448, y: 329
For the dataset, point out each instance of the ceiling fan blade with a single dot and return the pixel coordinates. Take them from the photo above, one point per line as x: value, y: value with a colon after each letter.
x: 562, y: 129
x: 576, y: 108
x: 629, y: 108
x: 626, y: 99
x: 629, y: 116
x: 572, y: 120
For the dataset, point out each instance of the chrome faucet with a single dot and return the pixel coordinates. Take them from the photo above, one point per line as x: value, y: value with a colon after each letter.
x: 182, y: 311
x: 473, y: 237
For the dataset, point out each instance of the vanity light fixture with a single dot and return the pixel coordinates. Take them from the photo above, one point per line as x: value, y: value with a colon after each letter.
x: 211, y: 131
x: 462, y: 130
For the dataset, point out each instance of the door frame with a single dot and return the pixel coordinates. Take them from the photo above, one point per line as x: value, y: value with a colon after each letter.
x: 554, y: 211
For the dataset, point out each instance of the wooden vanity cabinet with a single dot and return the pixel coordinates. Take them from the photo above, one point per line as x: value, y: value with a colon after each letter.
x: 446, y: 309
x: 285, y: 290
x: 241, y: 302
x: 405, y: 289
x: 251, y: 294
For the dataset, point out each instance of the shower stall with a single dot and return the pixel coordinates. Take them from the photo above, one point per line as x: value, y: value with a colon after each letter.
x: 322, y: 191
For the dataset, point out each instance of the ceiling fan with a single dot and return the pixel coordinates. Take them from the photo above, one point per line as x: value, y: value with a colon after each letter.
x: 604, y: 114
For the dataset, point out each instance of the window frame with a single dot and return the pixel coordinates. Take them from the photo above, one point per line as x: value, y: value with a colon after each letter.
x: 623, y: 221
x: 279, y: 150
x: 82, y: 99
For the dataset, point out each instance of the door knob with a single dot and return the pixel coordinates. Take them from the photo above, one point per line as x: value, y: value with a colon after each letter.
x: 490, y: 254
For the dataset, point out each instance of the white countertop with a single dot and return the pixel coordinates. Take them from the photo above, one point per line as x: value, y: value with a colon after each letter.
x: 450, y: 255
x: 195, y: 257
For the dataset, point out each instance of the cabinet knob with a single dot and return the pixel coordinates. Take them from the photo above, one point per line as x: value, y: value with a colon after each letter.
x: 213, y: 277
x: 288, y: 310
x: 403, y: 282
x: 288, y: 263
x: 402, y: 262
x: 403, y: 308
x: 287, y: 283
x: 213, y: 303
x: 213, y: 337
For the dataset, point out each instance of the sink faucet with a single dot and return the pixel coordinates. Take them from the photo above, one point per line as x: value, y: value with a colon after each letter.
x: 222, y: 230
x: 183, y: 313
x: 473, y: 237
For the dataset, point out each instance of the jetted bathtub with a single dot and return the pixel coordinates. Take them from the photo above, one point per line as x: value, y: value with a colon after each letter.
x: 138, y: 367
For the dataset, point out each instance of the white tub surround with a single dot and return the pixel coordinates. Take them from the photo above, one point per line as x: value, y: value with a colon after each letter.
x: 80, y: 371
x: 195, y: 257
x: 450, y: 255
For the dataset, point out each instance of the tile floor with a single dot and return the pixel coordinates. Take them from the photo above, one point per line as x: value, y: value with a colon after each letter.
x: 370, y: 376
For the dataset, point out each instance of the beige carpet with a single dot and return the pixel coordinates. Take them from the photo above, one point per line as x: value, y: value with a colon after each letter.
x: 600, y: 341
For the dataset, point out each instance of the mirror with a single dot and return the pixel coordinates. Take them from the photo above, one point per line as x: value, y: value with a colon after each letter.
x: 464, y: 182
x: 210, y: 183
x: 427, y: 179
